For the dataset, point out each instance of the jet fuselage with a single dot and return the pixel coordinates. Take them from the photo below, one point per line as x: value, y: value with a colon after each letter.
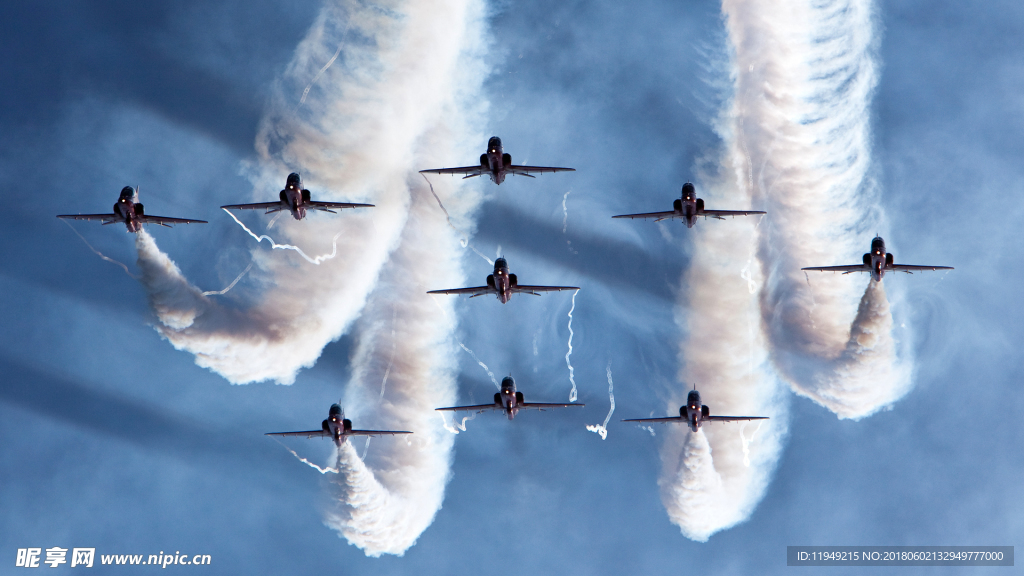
x: 337, y: 425
x: 129, y: 209
x: 495, y: 160
x: 689, y: 205
x: 877, y: 259
x: 294, y: 196
x: 502, y: 280
x: 509, y: 399
x: 693, y: 411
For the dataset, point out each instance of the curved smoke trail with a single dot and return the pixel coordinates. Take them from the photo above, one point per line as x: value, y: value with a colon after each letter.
x: 373, y: 118
x: 796, y: 142
x: 402, y: 94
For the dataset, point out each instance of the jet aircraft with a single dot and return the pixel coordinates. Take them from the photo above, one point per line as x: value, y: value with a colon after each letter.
x: 497, y: 164
x: 296, y: 200
x: 503, y: 285
x: 337, y: 428
x: 694, y: 414
x: 689, y: 208
x: 129, y: 211
x: 877, y: 263
x: 509, y: 400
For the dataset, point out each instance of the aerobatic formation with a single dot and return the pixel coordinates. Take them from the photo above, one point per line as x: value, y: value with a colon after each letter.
x: 241, y: 348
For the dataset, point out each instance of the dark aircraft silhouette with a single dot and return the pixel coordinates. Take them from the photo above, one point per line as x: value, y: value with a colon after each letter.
x: 130, y: 212
x: 877, y: 263
x: 496, y: 164
x: 337, y: 428
x: 694, y: 414
x: 508, y: 400
x: 503, y: 285
x: 296, y: 200
x: 689, y: 208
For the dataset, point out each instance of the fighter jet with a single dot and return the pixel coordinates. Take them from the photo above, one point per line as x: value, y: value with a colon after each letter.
x: 694, y: 414
x: 503, y: 285
x: 337, y: 428
x: 877, y: 263
x: 689, y: 208
x: 129, y: 211
x: 295, y: 199
x: 496, y: 164
x: 508, y: 400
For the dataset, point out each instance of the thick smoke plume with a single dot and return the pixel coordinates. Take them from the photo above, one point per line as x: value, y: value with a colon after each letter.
x: 401, y: 94
x: 797, y: 144
x: 370, y: 121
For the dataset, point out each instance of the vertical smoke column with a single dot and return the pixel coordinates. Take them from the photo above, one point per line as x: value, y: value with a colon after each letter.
x: 705, y: 484
x: 797, y: 143
x: 361, y: 131
x: 382, y: 505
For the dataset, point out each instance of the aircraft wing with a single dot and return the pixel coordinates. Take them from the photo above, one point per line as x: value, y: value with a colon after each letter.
x: 475, y: 291
x: 545, y: 406
x: 732, y: 418
x: 908, y: 268
x: 331, y: 206
x: 165, y: 221
x: 475, y: 408
x: 535, y: 289
x: 668, y: 419
x: 720, y: 213
x: 375, y: 432
x: 469, y: 171
x: 268, y: 206
x: 527, y: 170
x: 307, y: 434
x: 105, y: 218
x: 658, y: 216
x: 843, y: 269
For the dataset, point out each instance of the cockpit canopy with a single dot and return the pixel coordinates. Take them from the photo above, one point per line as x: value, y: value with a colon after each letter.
x: 293, y: 178
x: 689, y: 190
x: 127, y: 192
x: 507, y: 382
x: 878, y: 245
x: 693, y: 398
x: 335, y: 409
x: 500, y: 263
x: 494, y: 144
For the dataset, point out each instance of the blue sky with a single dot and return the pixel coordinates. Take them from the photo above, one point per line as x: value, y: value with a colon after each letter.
x: 113, y: 439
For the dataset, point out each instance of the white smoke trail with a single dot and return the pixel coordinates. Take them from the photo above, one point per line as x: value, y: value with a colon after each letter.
x: 391, y: 362
x: 307, y: 462
x: 465, y: 237
x: 100, y: 254
x: 316, y: 260
x: 361, y: 138
x: 229, y: 286
x: 309, y: 86
x: 797, y: 142
x: 572, y: 379
x: 602, y: 429
x: 456, y: 427
x: 482, y: 365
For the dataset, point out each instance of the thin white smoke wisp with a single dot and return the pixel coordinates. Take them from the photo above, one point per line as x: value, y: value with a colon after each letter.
x: 602, y: 429
x: 233, y: 282
x: 565, y: 210
x: 316, y: 260
x: 307, y: 462
x: 391, y: 362
x: 100, y: 254
x: 309, y: 86
x: 456, y: 427
x: 482, y: 365
x: 465, y: 237
x: 746, y: 441
x: 572, y: 380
